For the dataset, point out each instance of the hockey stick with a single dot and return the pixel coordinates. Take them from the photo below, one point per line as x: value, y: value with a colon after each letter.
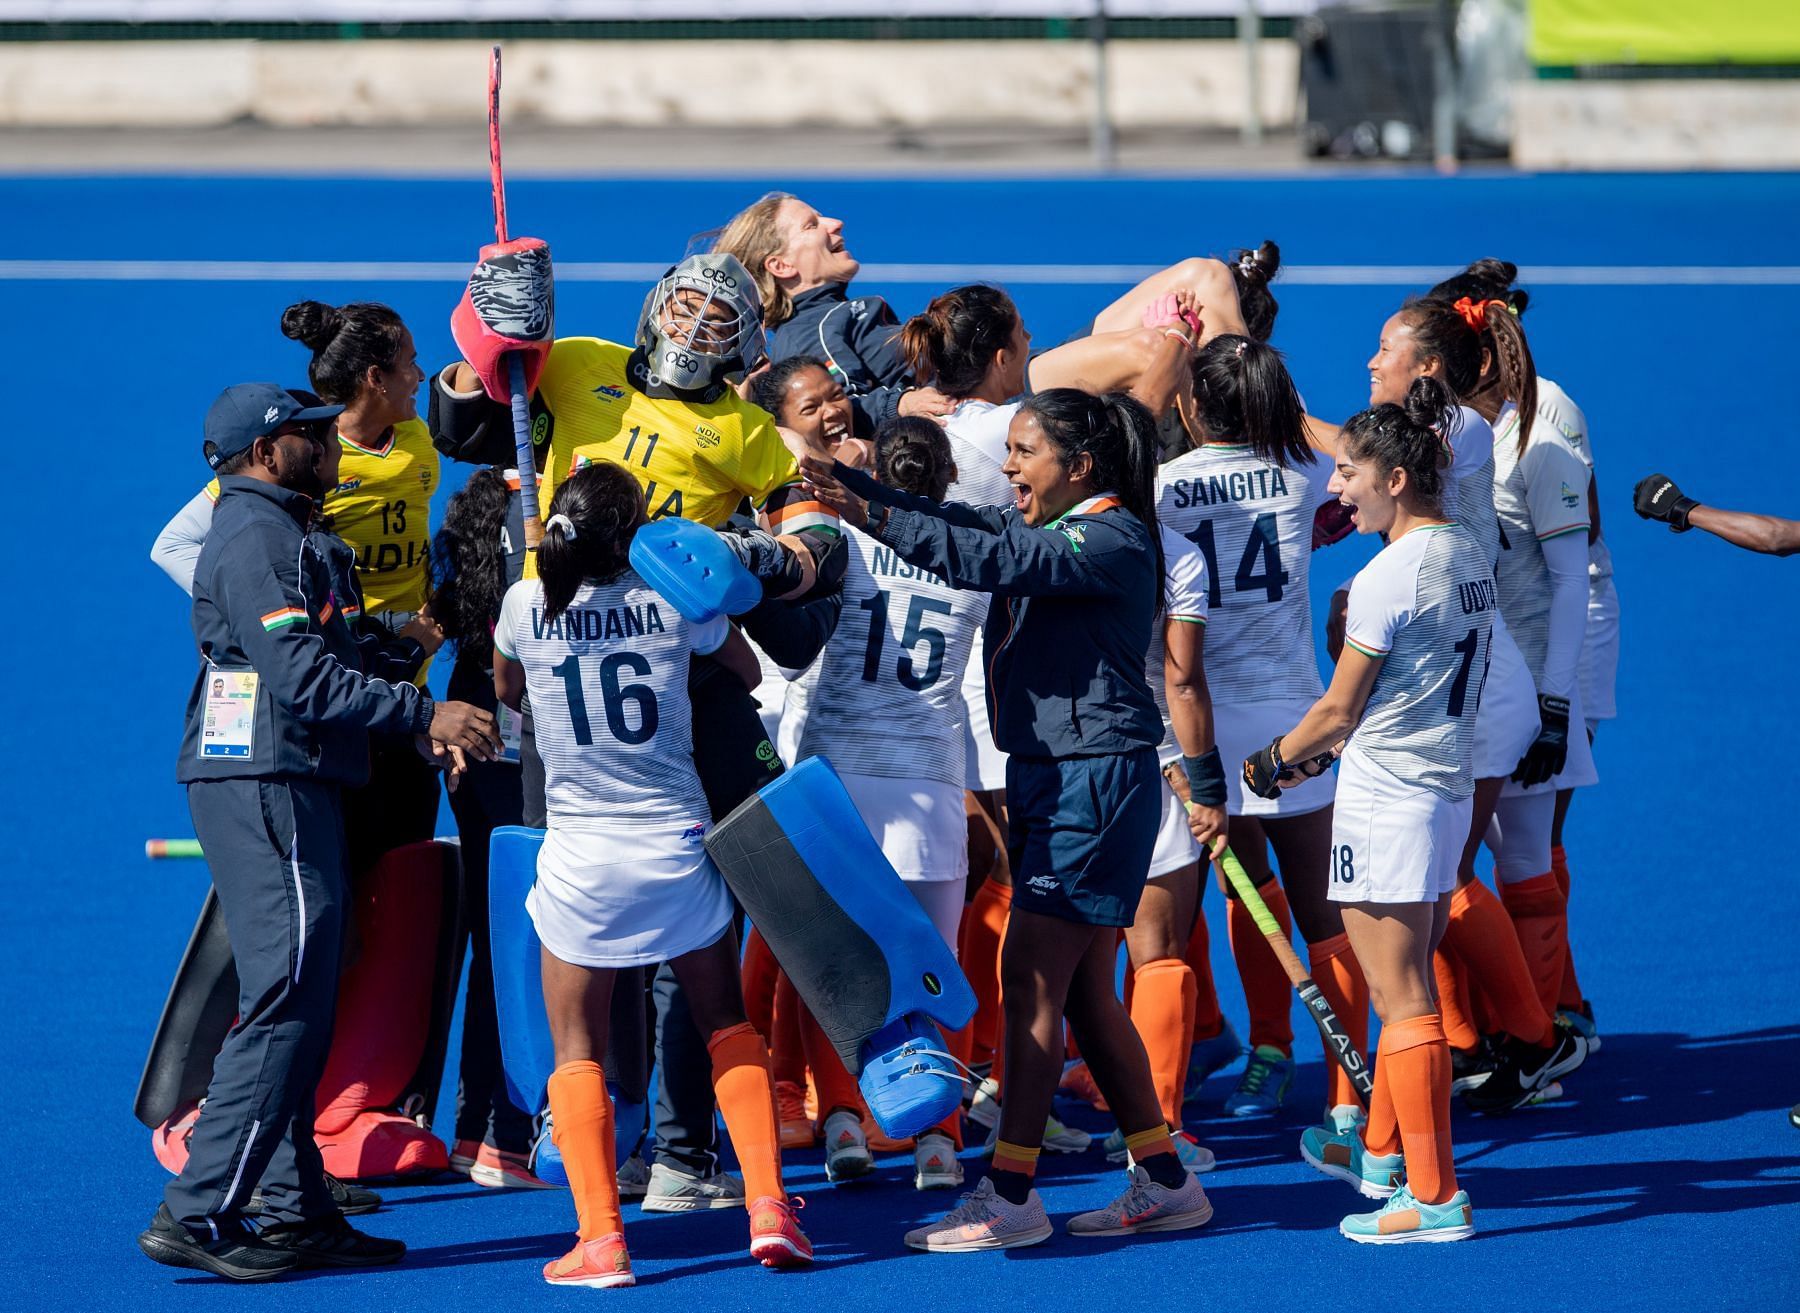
x: 1331, y: 1030
x: 519, y: 400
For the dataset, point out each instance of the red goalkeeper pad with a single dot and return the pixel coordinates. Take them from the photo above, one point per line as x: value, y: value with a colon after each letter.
x: 508, y: 305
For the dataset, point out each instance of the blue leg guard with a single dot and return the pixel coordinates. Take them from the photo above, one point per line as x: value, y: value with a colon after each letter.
x: 860, y: 951
x: 525, y: 1048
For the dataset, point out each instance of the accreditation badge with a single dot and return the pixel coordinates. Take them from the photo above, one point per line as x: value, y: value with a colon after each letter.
x: 228, y: 725
x: 512, y: 732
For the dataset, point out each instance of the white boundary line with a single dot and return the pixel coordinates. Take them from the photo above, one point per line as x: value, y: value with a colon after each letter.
x: 639, y: 272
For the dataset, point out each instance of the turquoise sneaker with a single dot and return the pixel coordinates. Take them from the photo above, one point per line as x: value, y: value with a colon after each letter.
x: 1194, y: 1156
x: 1263, y: 1085
x: 1404, y: 1220
x: 1210, y: 1056
x: 1340, y: 1154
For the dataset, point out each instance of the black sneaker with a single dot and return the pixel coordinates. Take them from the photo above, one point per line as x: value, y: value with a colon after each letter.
x: 1523, y: 1069
x: 1470, y: 1068
x: 1794, y: 1114
x: 352, y: 1200
x: 333, y: 1242
x: 237, y: 1255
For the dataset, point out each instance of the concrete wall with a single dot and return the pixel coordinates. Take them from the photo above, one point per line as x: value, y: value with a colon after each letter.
x: 1657, y: 125
x: 641, y: 83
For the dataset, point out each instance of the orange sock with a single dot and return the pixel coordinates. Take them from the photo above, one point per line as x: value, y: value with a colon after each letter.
x: 983, y: 931
x: 787, y: 1051
x: 1418, y: 1062
x: 584, y: 1133
x: 1568, y: 995
x: 1147, y: 1144
x: 1266, y: 987
x: 759, y: 972
x: 1381, y: 1134
x: 836, y: 1087
x: 746, y: 1095
x: 1541, y: 916
x: 1339, y: 977
x: 1208, y: 1020
x: 1453, y: 998
x: 1019, y: 1158
x: 1487, y: 940
x: 1162, y: 1011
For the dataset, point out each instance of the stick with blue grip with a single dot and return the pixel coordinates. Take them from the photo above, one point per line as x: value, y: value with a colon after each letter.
x: 1331, y: 1030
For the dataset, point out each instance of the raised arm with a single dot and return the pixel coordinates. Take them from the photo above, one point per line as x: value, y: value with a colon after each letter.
x: 1657, y: 498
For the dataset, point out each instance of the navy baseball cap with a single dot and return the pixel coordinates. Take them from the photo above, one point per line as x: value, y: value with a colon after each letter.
x: 245, y: 412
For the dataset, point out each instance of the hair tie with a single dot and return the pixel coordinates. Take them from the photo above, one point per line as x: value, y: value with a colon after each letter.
x: 1474, y: 313
x: 1241, y: 348
x: 1506, y: 306
x: 562, y: 522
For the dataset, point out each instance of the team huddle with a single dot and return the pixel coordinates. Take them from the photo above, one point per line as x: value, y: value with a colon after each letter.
x: 1046, y: 614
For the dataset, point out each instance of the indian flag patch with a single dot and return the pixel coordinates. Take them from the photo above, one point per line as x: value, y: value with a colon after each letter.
x: 288, y: 615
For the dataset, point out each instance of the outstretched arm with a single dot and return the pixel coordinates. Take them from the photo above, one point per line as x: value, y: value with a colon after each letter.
x: 1657, y: 498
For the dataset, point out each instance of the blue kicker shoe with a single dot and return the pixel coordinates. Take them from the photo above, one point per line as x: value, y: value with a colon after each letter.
x: 1340, y: 1154
x: 1404, y: 1220
x: 1210, y: 1056
x: 1263, y: 1085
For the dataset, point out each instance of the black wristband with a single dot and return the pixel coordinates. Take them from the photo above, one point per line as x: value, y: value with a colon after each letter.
x: 1206, y: 778
x: 878, y: 518
x: 422, y: 715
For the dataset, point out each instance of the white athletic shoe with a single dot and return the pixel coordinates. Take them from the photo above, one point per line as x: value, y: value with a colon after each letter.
x: 847, y: 1153
x: 634, y: 1178
x: 672, y: 1190
x: 984, y: 1220
x: 935, y: 1164
x: 1057, y: 1139
x: 984, y: 1108
x: 1147, y: 1206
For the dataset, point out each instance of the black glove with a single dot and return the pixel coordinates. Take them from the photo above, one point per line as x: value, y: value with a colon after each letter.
x: 1544, y: 759
x: 1657, y: 498
x: 772, y: 563
x: 1264, y: 768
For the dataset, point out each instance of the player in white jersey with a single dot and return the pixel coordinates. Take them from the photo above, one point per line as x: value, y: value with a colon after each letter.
x: 1245, y: 496
x: 1405, y: 693
x: 1558, y: 419
x: 623, y: 878
x: 1483, y: 949
x: 884, y: 705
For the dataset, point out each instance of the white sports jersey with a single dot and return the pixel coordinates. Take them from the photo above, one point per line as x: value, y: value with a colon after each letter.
x: 1558, y: 410
x: 608, y: 686
x: 1184, y: 603
x: 1425, y: 605
x: 1469, y: 481
x: 885, y: 696
x: 1252, y: 521
x: 977, y: 432
x: 1539, y: 496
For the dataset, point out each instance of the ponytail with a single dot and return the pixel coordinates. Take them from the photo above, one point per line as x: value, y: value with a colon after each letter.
x: 912, y: 453
x: 1414, y: 436
x: 952, y: 344
x: 1243, y: 390
x: 1119, y: 436
x: 587, y: 538
x: 1476, y: 330
x: 1251, y: 274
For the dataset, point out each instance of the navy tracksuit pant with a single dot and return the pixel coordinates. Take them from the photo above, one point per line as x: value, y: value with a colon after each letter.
x: 275, y: 847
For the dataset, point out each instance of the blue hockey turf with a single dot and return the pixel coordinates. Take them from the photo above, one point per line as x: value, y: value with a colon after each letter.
x: 1668, y: 1179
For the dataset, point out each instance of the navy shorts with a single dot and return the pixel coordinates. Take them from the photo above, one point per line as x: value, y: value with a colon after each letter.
x: 1082, y: 832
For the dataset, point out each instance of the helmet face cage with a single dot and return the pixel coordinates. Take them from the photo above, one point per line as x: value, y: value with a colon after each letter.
x: 701, y: 322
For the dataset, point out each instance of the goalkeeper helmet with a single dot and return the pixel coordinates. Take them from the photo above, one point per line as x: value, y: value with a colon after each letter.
x: 701, y: 322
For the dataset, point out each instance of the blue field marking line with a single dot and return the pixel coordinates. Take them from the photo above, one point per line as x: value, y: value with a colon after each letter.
x: 1048, y: 275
